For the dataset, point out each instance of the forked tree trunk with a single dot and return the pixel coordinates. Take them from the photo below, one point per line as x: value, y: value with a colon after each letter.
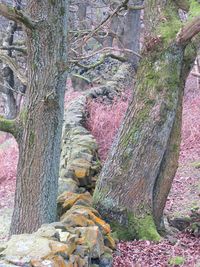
x: 41, y: 118
x: 135, y: 181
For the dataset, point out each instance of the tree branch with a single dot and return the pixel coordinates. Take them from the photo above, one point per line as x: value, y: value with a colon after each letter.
x: 8, y: 126
x: 183, y: 4
x: 12, y: 47
x: 122, y: 6
x: 14, y: 67
x: 189, y: 31
x: 16, y: 15
x: 196, y: 74
x: 100, y: 61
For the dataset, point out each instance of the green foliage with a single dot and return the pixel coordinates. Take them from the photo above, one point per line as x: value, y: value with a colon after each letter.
x: 194, y: 9
x: 178, y: 260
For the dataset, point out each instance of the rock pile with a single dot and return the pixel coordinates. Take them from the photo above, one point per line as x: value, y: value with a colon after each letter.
x: 79, y: 163
x: 80, y: 239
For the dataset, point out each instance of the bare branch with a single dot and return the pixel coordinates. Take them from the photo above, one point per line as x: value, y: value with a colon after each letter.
x: 188, y: 31
x: 16, y: 15
x: 18, y: 49
x: 105, y: 50
x: 196, y: 74
x: 7, y: 86
x: 122, y: 6
x: 14, y: 67
x: 183, y: 4
x: 100, y: 61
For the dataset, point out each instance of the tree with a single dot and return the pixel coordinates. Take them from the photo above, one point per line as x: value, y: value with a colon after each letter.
x: 38, y: 127
x: 135, y: 181
x: 8, y: 80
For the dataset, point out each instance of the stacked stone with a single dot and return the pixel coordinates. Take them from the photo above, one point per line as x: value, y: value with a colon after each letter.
x: 79, y: 163
x: 114, y: 87
x: 80, y: 239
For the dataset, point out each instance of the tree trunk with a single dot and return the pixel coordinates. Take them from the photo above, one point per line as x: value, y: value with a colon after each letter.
x: 135, y: 181
x: 131, y: 33
x: 41, y: 118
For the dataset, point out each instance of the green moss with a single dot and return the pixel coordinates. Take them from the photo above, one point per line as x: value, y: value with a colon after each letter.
x: 171, y: 24
x: 178, y: 260
x: 52, y: 2
x: 23, y: 116
x: 142, y: 227
x: 147, y: 229
x: 32, y: 138
x: 8, y: 126
x: 62, y: 11
x: 194, y: 9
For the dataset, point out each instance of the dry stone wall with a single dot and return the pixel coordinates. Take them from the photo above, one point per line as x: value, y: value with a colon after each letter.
x: 79, y: 162
x: 80, y: 238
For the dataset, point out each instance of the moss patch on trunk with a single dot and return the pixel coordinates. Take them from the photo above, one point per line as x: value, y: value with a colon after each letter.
x: 137, y: 228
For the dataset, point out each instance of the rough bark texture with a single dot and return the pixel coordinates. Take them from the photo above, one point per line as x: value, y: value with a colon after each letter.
x: 136, y: 179
x: 131, y: 34
x: 39, y: 145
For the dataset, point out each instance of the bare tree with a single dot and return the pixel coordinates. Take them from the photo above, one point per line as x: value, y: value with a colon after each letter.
x: 135, y: 181
x: 37, y: 128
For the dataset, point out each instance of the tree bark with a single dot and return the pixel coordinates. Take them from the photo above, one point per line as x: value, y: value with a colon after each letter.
x: 41, y: 117
x: 131, y: 33
x: 135, y: 181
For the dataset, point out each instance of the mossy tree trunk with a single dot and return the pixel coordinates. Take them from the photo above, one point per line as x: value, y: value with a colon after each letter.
x: 39, y: 125
x: 135, y: 181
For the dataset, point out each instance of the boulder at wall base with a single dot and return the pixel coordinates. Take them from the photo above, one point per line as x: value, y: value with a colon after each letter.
x: 105, y: 260
x: 90, y: 214
x: 92, y: 237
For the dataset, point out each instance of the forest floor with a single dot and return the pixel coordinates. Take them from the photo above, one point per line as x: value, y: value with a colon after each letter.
x: 181, y: 248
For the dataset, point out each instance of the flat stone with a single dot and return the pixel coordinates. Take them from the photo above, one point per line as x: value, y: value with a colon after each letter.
x: 60, y: 248
x: 67, y: 185
x: 26, y: 245
x: 47, y: 231
x: 53, y: 261
x: 67, y: 199
x: 76, y: 220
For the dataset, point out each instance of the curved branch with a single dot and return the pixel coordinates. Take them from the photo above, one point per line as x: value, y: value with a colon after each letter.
x: 188, y: 32
x: 8, y: 126
x: 16, y: 15
x: 14, y: 67
x: 183, y: 4
x: 100, y: 61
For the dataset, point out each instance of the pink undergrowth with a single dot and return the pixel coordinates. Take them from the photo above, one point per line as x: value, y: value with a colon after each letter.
x: 104, y: 122
x: 190, y: 145
x: 8, y: 168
